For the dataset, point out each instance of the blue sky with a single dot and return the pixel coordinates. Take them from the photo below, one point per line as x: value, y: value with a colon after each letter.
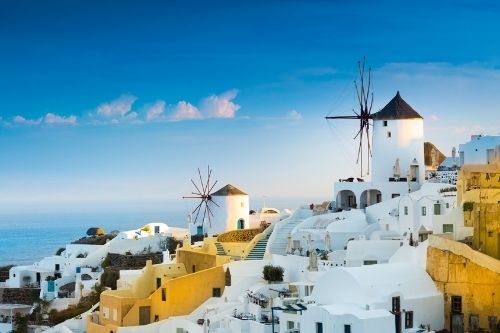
x: 122, y: 101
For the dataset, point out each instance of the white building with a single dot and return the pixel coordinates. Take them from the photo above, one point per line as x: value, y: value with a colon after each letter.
x: 480, y: 150
x: 398, y: 164
x: 388, y: 298
x: 230, y: 208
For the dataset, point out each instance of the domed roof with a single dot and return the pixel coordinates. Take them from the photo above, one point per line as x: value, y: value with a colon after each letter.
x: 372, y: 284
x: 396, y: 109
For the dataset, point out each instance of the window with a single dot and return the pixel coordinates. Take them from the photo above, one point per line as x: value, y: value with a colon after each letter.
x: 409, y: 319
x: 447, y: 205
x: 319, y: 327
x: 492, y: 322
x: 396, y: 304
x: 105, y: 312
x: 290, y: 325
x: 474, y: 322
x: 158, y: 282
x: 115, y: 314
x: 406, y: 210
x: 157, y: 229
x: 370, y: 262
x: 447, y: 228
x: 437, y: 209
x: 347, y: 328
x: 385, y: 123
x: 163, y: 294
x: 193, y: 270
x: 57, y: 267
x: 242, y: 204
x: 424, y: 211
x: 216, y: 292
x: 456, y: 304
x: 388, y: 134
x: 395, y: 195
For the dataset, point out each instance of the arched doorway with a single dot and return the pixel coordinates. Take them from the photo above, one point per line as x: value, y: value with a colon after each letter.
x: 346, y: 199
x: 370, y: 197
x: 240, y: 224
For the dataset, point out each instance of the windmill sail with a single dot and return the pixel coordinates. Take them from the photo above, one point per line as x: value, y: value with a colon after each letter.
x: 364, y: 115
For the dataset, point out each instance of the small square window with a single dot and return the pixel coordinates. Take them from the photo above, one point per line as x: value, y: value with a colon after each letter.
x: 385, y: 123
x: 389, y: 134
x: 216, y: 292
x: 163, y: 294
x: 447, y: 228
x: 424, y: 211
x: 447, y: 205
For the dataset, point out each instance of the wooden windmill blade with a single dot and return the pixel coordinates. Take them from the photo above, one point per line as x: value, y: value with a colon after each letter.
x: 202, y: 192
x: 365, y: 100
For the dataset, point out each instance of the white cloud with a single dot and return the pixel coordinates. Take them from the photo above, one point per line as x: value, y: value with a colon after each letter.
x: 20, y: 120
x: 48, y: 119
x: 54, y: 119
x: 155, y: 111
x: 294, y: 115
x: 119, y: 107
x: 220, y: 106
x: 185, y: 111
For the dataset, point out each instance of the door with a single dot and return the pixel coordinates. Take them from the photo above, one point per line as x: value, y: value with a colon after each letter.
x: 457, y: 323
x: 144, y: 315
x: 241, y: 224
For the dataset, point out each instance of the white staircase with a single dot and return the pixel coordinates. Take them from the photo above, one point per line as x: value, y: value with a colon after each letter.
x: 279, y: 239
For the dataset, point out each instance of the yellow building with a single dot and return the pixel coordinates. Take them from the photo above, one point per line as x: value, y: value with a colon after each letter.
x: 166, y: 290
x: 478, y: 191
x: 470, y: 283
x: 159, y: 292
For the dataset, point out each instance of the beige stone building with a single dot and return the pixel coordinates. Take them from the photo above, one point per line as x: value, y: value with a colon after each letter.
x: 470, y: 283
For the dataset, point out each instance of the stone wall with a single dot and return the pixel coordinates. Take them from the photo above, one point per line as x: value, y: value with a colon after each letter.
x: 19, y: 295
x: 458, y: 270
x: 134, y: 261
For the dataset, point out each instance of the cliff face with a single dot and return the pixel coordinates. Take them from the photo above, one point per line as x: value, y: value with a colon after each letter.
x: 428, y: 146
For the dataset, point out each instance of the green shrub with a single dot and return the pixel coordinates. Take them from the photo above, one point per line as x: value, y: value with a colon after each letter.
x: 106, y: 262
x: 109, y: 278
x: 273, y: 273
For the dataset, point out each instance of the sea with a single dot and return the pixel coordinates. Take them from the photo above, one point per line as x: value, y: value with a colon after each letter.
x: 29, y: 235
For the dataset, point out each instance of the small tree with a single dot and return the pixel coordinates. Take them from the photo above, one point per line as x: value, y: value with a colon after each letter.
x: 20, y: 324
x: 273, y: 273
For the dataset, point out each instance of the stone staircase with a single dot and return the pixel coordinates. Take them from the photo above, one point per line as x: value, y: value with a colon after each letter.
x: 282, y: 230
x: 259, y: 249
x: 220, y: 249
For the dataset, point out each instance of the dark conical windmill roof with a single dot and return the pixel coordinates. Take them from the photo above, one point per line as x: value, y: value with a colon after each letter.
x: 397, y: 108
x: 228, y: 190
